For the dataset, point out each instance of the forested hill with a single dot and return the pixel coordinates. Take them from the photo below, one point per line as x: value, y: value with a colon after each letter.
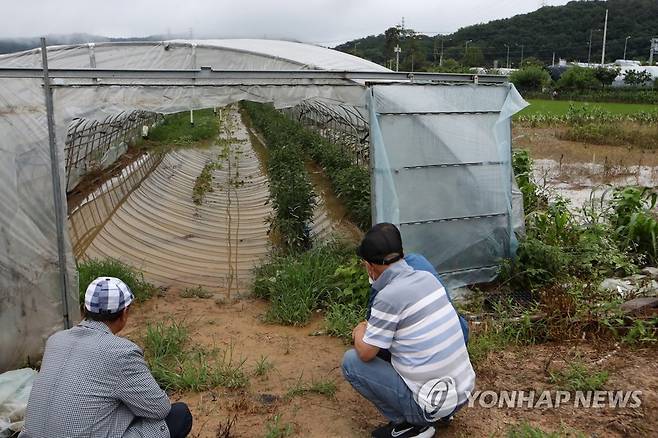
x: 563, y: 30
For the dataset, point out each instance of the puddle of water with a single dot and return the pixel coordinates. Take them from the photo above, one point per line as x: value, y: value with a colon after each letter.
x: 576, y: 181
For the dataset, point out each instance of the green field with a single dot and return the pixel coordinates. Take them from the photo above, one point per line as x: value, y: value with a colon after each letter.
x: 539, y: 106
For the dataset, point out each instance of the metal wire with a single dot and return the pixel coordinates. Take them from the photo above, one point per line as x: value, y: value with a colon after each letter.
x: 340, y: 124
x: 88, y: 141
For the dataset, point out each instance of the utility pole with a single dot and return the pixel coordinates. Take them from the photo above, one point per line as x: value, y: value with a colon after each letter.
x: 521, y: 65
x: 553, y: 63
x: 589, y: 51
x: 466, y: 48
x: 605, y: 34
x: 625, y: 45
x: 507, y: 63
x: 397, y: 57
x: 441, y: 56
x: 654, y: 49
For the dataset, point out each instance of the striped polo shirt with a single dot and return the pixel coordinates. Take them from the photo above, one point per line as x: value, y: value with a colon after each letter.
x: 413, y: 318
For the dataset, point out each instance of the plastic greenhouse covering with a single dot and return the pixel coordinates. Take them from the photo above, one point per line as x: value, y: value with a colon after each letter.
x: 441, y: 157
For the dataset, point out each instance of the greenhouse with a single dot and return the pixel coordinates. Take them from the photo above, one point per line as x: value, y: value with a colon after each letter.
x: 438, y: 147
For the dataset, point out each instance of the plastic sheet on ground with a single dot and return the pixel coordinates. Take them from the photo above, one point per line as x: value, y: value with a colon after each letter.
x: 15, y: 387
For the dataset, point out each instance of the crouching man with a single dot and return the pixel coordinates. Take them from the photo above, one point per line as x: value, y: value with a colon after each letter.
x: 430, y: 374
x: 95, y: 384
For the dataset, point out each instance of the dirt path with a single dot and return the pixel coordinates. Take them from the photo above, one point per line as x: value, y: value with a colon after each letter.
x: 296, y: 354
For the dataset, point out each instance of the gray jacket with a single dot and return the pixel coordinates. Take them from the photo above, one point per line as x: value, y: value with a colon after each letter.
x: 94, y: 384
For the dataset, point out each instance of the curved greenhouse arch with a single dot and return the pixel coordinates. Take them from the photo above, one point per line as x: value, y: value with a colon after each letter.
x: 94, y: 81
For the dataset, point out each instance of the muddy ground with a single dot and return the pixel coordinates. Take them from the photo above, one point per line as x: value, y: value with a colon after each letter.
x: 300, y: 355
x: 297, y: 353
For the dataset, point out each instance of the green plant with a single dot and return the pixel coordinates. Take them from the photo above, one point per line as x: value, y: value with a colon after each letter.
x: 177, y: 130
x: 525, y: 430
x: 299, y: 283
x: 176, y: 366
x: 606, y: 75
x: 637, y: 78
x: 578, y: 78
x: 642, y: 332
x: 291, y: 192
x: 635, y: 221
x: 89, y: 270
x: 341, y: 319
x: 274, y: 428
x: 196, y: 292
x: 323, y: 387
x: 578, y: 378
x: 263, y: 366
x: 203, y: 182
x: 530, y: 78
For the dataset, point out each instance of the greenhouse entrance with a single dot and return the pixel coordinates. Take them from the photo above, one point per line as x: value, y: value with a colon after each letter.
x: 438, y: 147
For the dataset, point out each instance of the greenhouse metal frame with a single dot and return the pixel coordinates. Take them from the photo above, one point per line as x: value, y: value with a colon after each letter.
x: 435, y: 140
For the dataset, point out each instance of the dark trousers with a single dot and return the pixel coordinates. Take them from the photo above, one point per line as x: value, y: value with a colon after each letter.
x: 179, y: 420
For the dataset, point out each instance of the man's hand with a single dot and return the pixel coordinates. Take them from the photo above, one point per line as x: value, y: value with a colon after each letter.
x: 365, y: 351
x: 360, y: 330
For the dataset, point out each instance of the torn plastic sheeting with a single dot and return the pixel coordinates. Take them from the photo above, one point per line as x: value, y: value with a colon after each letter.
x: 15, y: 387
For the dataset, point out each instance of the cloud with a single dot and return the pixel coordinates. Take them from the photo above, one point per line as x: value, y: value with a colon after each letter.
x: 320, y: 21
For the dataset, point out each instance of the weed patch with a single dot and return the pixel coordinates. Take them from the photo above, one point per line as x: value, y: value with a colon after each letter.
x: 89, y: 270
x: 297, y: 284
x: 196, y: 292
x: 276, y: 429
x: 323, y: 387
x: 564, y: 256
x: 576, y: 377
x: 263, y: 366
x: 203, y: 182
x: 176, y: 365
x: 525, y: 430
x: 176, y: 129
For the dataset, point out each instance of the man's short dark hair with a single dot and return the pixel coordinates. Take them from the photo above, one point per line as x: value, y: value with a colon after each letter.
x: 382, y: 245
x: 104, y: 317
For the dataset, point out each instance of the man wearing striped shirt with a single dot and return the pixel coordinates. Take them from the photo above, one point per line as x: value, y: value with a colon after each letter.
x: 430, y: 374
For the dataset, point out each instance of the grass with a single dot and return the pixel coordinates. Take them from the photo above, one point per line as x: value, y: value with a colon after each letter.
x: 275, y: 429
x: 263, y: 366
x: 298, y: 284
x: 561, y: 107
x: 89, y: 270
x: 196, y: 292
x: 576, y: 377
x: 525, y: 430
x: 177, y: 366
x: 323, y: 387
x: 341, y: 319
x: 176, y: 129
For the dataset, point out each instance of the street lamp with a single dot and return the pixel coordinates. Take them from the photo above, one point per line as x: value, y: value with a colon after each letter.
x: 625, y: 44
x: 507, y: 45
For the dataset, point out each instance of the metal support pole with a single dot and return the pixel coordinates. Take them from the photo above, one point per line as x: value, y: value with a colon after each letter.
x: 57, y: 189
x: 605, y: 35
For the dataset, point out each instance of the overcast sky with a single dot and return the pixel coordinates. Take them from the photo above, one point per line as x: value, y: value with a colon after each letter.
x: 316, y: 21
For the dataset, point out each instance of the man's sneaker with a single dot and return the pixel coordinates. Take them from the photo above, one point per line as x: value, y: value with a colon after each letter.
x: 403, y: 430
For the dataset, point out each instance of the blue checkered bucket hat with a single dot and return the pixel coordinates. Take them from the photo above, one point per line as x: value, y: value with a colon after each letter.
x: 107, y: 295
